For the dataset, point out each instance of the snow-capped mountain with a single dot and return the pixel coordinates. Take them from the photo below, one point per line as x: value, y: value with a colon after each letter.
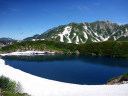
x: 85, y: 32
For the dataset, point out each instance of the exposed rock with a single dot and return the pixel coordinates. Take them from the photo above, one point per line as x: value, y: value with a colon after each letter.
x: 69, y: 52
x: 115, y: 80
x: 123, y: 79
x: 26, y: 94
x: 77, y: 52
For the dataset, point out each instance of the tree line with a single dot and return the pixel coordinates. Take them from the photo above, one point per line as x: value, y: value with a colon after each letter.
x: 106, y: 48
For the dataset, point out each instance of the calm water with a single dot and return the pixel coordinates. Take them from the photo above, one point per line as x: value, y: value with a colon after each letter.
x: 70, y: 68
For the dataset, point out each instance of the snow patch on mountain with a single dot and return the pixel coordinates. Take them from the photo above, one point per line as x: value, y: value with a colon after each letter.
x: 37, y: 39
x: 81, y: 40
x: 85, y: 35
x: 74, y: 35
x: 126, y: 34
x: 77, y: 40
x: 65, y: 33
x: 126, y: 29
x: 105, y: 39
x: 96, y: 34
x: 85, y: 27
x: 97, y: 39
x: 86, y: 32
x: 94, y: 40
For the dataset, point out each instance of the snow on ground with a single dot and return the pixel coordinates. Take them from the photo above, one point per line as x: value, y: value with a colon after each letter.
x: 28, y: 53
x: 37, y: 86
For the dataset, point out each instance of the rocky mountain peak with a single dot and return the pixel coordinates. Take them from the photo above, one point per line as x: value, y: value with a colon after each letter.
x: 86, y: 32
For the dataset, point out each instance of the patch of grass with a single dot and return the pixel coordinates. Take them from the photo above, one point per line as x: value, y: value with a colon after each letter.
x: 112, y: 79
x: 124, y: 77
x: 9, y: 93
x: 121, y: 78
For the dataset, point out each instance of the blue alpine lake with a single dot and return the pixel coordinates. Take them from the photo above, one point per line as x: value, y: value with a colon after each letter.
x: 76, y: 69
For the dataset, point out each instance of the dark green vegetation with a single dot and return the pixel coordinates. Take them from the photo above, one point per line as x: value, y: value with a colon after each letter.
x: 7, y: 84
x: 40, y: 46
x: 9, y: 87
x: 107, y: 48
x: 118, y: 79
x: 9, y: 93
x: 23, y: 46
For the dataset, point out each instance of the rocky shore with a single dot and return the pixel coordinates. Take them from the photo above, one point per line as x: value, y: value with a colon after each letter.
x: 123, y: 79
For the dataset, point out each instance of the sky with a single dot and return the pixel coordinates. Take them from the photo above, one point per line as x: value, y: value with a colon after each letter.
x: 24, y: 18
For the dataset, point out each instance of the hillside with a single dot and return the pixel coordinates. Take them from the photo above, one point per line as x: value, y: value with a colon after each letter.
x: 85, y: 32
x: 106, y: 48
x: 7, y: 39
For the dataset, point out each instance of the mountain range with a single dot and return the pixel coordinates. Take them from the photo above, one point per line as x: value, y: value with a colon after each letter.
x: 7, y: 39
x: 85, y: 32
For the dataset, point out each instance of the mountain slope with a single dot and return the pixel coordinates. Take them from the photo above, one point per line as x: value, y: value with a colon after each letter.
x: 86, y: 32
x: 7, y: 39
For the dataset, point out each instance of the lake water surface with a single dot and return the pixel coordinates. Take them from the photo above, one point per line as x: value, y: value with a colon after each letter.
x: 70, y: 68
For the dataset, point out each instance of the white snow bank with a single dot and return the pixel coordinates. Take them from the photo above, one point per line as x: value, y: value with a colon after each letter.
x: 28, y: 53
x: 37, y: 86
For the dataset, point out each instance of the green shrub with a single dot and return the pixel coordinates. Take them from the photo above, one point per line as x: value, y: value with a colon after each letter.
x: 9, y: 85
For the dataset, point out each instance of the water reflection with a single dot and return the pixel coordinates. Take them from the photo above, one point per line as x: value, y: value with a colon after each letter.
x: 108, y: 61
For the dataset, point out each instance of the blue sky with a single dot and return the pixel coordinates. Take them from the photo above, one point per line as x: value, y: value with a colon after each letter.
x: 24, y: 18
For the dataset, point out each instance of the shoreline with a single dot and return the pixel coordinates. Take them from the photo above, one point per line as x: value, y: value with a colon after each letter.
x: 37, y: 86
x: 28, y: 53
